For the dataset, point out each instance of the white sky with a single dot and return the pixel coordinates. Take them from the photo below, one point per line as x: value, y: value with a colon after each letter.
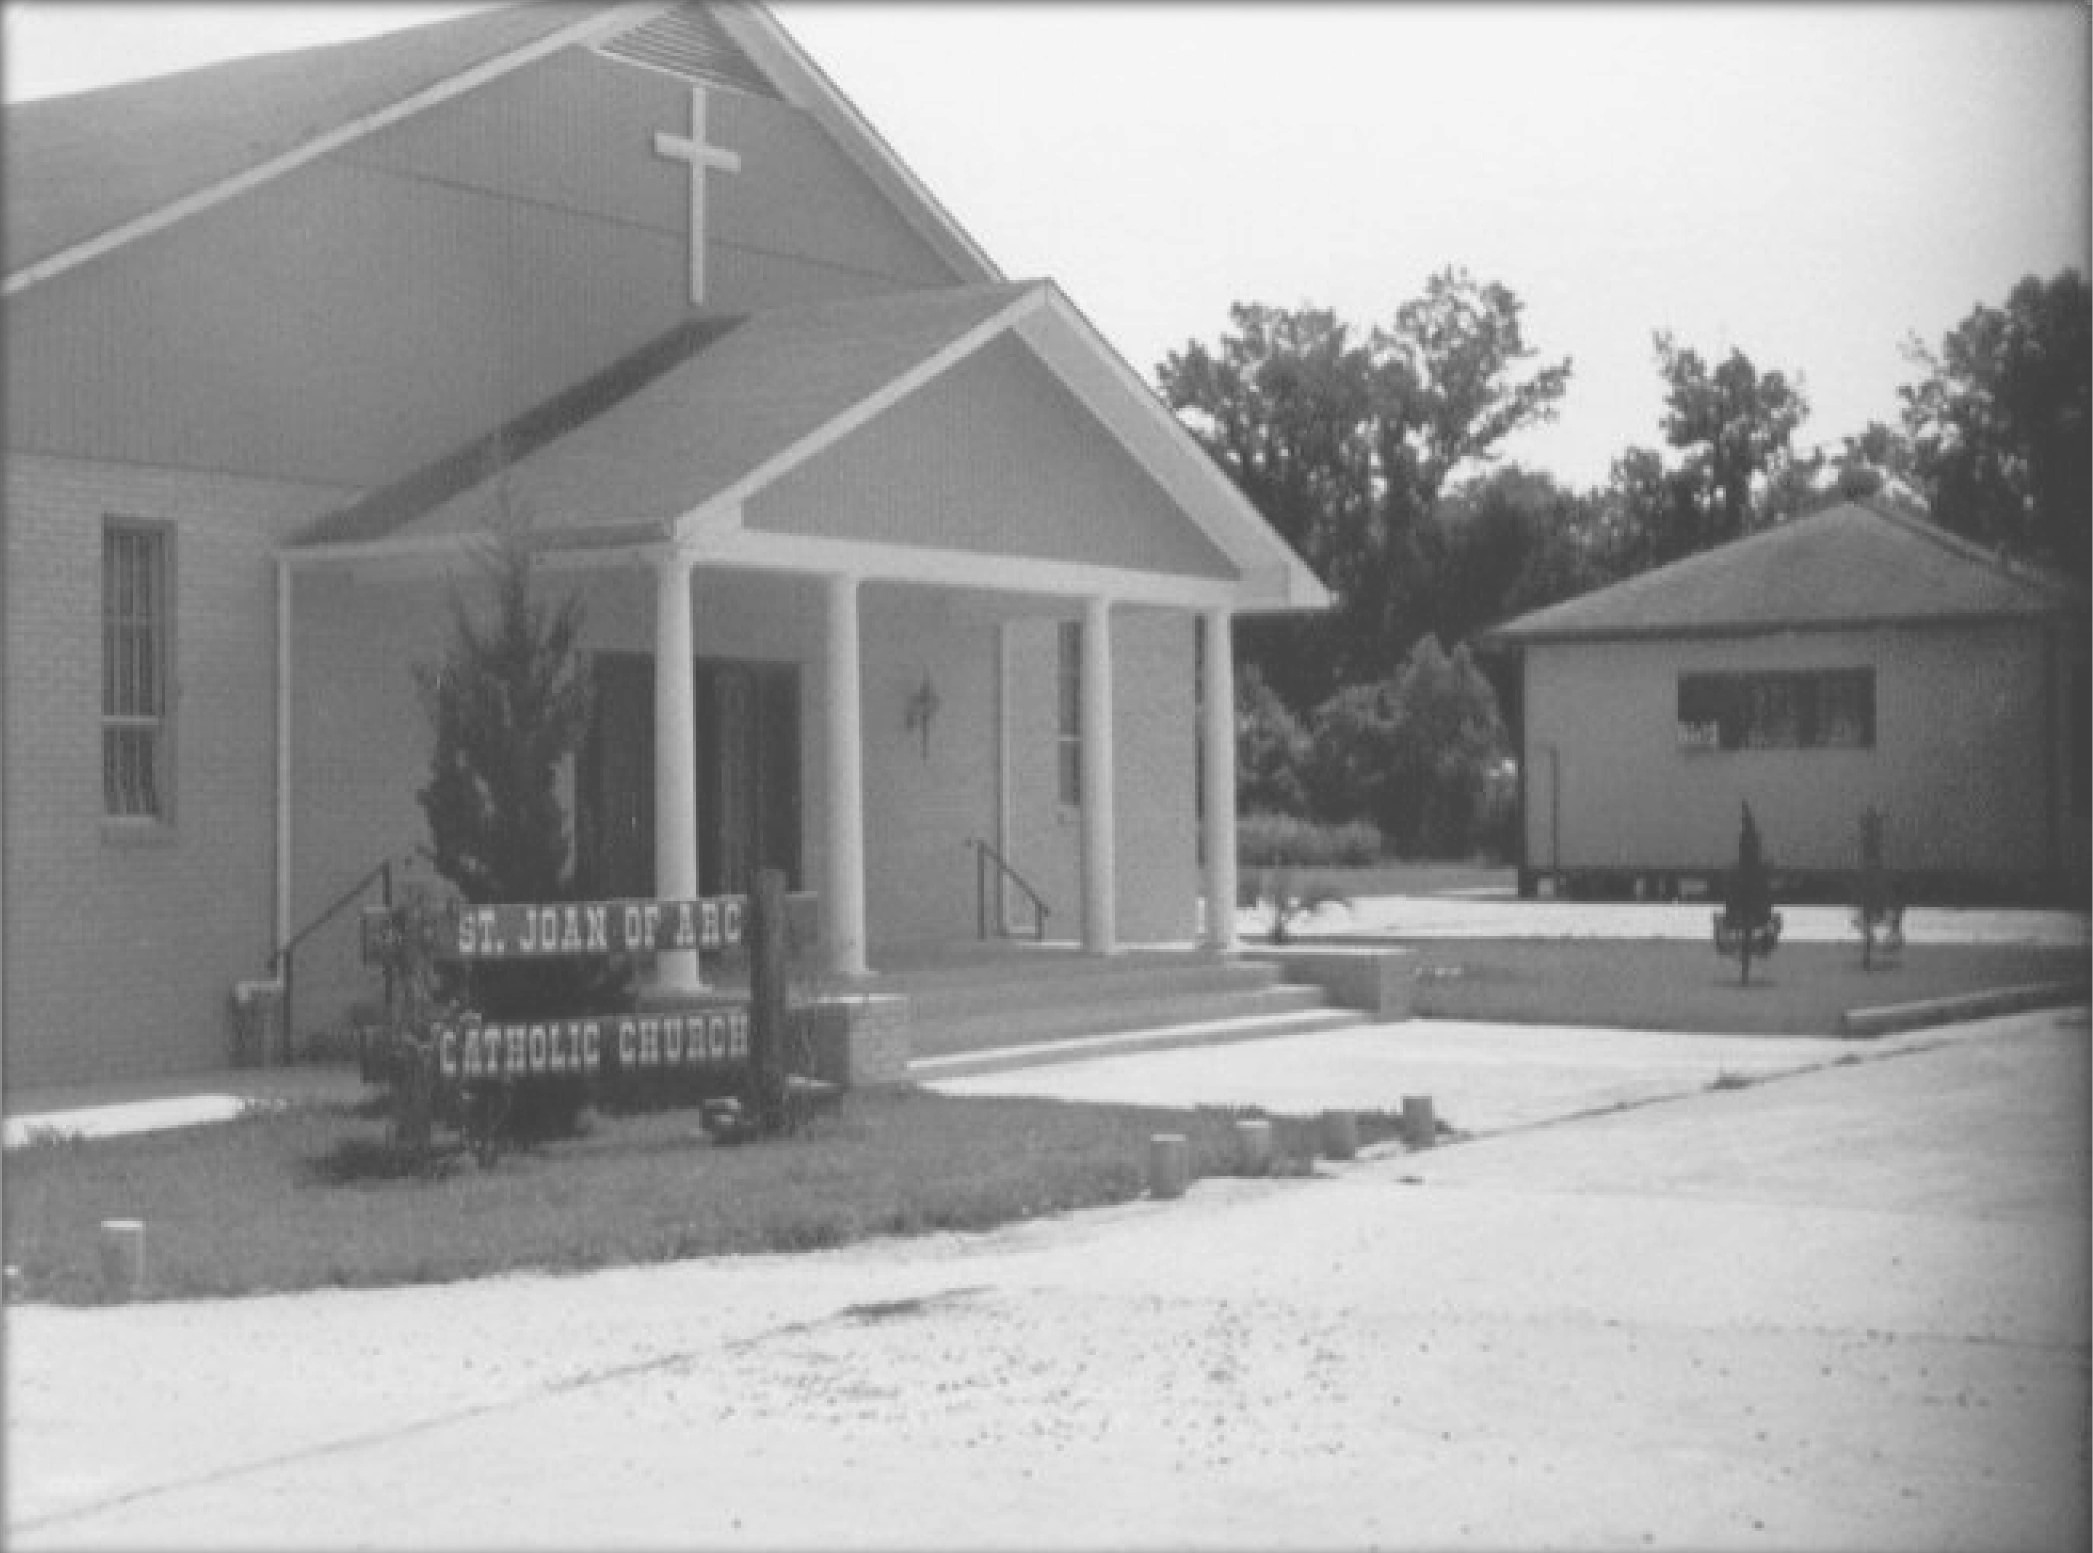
x: 1809, y: 183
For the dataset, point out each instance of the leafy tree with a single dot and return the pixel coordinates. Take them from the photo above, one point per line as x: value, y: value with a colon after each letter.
x: 1877, y: 463
x: 1998, y: 426
x: 1734, y: 424
x: 1731, y: 428
x: 1282, y: 404
x: 1272, y: 750
x: 1646, y: 514
x: 1514, y: 540
x: 1346, y: 446
x: 1414, y: 753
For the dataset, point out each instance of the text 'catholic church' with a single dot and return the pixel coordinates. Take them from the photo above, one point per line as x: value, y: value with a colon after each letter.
x: 881, y: 553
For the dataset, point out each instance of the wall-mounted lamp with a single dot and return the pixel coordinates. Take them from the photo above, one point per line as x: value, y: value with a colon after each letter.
x: 922, y: 710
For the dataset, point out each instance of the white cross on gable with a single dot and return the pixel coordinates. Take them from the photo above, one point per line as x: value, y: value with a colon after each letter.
x: 701, y: 158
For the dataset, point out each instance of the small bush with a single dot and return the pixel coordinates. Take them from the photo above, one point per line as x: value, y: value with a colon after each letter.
x: 1280, y: 840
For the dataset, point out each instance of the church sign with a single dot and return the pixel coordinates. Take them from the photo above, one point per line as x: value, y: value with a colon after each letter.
x: 597, y: 928
x: 516, y: 932
x: 581, y: 1048
x: 470, y: 1048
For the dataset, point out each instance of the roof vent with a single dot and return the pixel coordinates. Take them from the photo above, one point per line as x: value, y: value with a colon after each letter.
x: 688, y: 42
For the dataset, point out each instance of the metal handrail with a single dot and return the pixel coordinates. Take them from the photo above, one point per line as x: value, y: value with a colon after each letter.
x: 984, y: 854
x: 283, y: 962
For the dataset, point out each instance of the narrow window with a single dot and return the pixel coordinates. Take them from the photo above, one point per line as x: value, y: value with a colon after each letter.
x: 135, y: 624
x: 1068, y: 726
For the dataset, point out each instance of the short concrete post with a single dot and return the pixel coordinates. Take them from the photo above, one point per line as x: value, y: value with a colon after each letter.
x: 1253, y: 1146
x: 1169, y: 1162
x: 122, y: 1248
x: 1340, y: 1135
x: 1420, y: 1128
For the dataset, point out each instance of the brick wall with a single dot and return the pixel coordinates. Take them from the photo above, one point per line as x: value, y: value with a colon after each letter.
x: 858, y: 1042
x: 122, y: 942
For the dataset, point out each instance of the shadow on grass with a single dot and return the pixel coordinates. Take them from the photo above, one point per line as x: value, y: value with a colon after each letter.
x: 354, y: 1161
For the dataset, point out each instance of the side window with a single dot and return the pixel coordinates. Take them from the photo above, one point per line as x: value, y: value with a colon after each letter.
x: 137, y: 635
x: 1068, y: 720
x: 1806, y: 710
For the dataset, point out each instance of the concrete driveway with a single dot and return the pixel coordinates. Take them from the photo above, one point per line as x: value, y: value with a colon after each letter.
x: 1840, y: 1308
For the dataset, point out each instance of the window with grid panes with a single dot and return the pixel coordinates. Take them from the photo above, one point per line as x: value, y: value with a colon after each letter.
x: 135, y: 627
x: 1068, y: 739
x: 1777, y: 710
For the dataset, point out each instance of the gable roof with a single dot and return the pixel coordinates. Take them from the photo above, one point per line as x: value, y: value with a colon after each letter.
x: 1854, y: 564
x: 702, y: 419
x: 87, y: 164
x: 91, y: 172
x: 726, y: 398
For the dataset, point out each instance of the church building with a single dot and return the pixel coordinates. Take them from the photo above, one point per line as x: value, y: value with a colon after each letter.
x: 885, y: 558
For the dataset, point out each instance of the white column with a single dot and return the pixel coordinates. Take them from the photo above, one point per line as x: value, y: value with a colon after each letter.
x: 284, y: 704
x: 675, y: 759
x: 1217, y: 738
x: 843, y: 903
x: 1100, y: 863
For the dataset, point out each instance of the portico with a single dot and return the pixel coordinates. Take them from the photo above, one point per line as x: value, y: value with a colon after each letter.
x: 840, y: 797
x: 997, y: 629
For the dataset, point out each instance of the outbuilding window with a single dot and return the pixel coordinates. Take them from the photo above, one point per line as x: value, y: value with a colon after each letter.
x: 1777, y: 709
x: 136, y: 624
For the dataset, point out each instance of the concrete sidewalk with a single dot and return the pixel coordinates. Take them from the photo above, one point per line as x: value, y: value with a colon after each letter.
x: 1482, y: 1078
x: 186, y: 1100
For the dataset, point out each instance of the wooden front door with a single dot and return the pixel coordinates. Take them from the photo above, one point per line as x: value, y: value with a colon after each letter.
x: 748, y: 777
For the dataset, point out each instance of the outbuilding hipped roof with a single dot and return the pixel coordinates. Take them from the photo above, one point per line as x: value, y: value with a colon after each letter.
x: 1854, y: 564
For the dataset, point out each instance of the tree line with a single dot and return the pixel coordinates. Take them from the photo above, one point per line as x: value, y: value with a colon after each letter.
x: 1376, y: 454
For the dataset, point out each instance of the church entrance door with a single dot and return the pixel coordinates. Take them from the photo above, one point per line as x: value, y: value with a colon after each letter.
x: 748, y: 777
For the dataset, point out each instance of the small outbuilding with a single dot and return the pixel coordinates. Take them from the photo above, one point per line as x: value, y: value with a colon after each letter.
x: 1857, y: 657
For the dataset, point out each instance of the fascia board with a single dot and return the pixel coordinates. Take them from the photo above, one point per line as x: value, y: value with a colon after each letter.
x: 807, y: 87
x: 1067, y: 343
x: 979, y: 571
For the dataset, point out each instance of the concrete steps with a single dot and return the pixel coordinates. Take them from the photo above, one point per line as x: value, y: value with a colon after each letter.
x: 1017, y: 1008
x: 1212, y: 1032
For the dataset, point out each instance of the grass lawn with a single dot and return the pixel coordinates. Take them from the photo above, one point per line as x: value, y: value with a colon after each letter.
x: 1802, y: 990
x: 263, y: 1203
